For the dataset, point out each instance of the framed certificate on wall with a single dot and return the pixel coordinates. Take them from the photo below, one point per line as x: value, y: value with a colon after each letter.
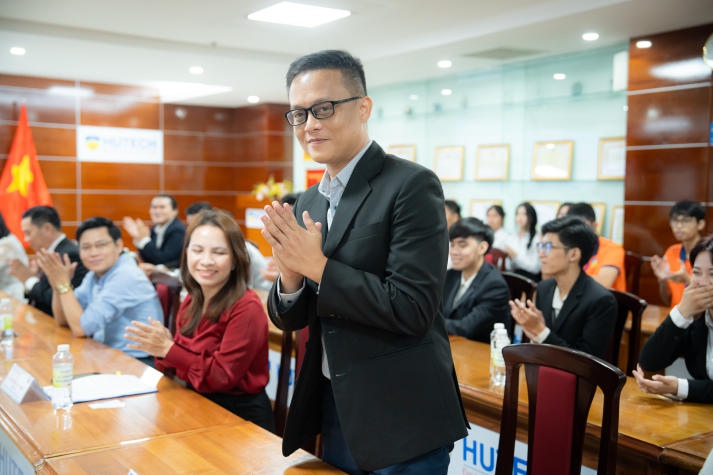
x: 492, y: 162
x: 479, y: 208
x: 552, y: 160
x: 404, y: 151
x: 616, y: 230
x: 599, y: 210
x: 449, y: 163
x: 546, y: 211
x: 612, y: 158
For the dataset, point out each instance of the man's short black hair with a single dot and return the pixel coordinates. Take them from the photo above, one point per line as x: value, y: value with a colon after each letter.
x: 351, y: 68
x: 174, y: 203
x: 583, y: 210
x: 99, y: 222
x: 467, y: 227
x: 453, y: 206
x: 688, y: 208
x: 40, y: 215
x: 197, y: 207
x: 573, y: 232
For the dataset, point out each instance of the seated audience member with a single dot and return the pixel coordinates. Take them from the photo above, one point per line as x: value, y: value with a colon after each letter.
x: 163, y: 242
x: 522, y: 246
x: 193, y: 209
x: 687, y: 332
x: 475, y: 293
x: 571, y: 309
x: 495, y: 217
x: 563, y: 209
x: 673, y: 271
x: 112, y: 294
x: 43, y: 231
x: 10, y: 248
x: 606, y: 265
x: 221, y: 342
x: 452, y: 212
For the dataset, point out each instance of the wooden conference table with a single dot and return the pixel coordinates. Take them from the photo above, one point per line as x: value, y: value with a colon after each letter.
x: 174, y: 430
x: 656, y: 434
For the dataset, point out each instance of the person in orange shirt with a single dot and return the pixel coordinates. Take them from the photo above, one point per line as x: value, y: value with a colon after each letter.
x: 673, y: 270
x: 606, y: 266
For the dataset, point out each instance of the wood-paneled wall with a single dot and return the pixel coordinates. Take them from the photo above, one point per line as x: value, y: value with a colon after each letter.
x: 668, y: 157
x: 210, y: 154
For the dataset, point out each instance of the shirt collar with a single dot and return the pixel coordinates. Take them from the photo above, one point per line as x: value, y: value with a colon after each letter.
x: 56, y: 242
x: 343, y: 176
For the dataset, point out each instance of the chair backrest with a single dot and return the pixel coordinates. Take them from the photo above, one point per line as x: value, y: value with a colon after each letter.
x: 627, y: 303
x: 632, y: 271
x: 292, y: 342
x: 496, y: 257
x: 561, y: 383
x: 519, y: 285
x: 168, y: 289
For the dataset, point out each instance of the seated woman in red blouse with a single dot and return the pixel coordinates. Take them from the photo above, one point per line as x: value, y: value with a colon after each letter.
x: 221, y: 341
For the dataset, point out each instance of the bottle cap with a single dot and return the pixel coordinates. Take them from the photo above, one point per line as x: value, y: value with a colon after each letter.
x: 64, y: 347
x: 498, y: 325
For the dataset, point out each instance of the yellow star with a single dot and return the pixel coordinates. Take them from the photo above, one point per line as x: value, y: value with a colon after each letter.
x: 21, y: 177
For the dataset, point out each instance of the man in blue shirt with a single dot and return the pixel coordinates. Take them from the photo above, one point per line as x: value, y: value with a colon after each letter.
x: 112, y: 294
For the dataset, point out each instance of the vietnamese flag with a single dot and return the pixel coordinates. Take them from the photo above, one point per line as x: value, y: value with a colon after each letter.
x: 22, y: 185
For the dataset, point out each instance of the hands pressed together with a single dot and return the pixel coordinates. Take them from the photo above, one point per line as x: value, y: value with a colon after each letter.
x: 154, y: 338
x: 658, y: 384
x: 528, y: 317
x: 663, y: 272
x: 58, y: 268
x: 136, y: 228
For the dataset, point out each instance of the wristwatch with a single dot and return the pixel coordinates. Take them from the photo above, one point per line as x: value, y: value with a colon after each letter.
x: 63, y: 288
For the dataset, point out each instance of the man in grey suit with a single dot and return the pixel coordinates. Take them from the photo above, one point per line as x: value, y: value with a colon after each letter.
x: 362, y: 259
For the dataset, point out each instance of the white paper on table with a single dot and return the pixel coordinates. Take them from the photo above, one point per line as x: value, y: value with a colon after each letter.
x: 104, y: 386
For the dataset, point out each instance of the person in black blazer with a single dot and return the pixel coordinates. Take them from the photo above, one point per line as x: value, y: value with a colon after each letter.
x: 685, y: 333
x: 475, y: 293
x: 367, y: 278
x: 571, y: 309
x: 43, y: 230
x: 162, y: 245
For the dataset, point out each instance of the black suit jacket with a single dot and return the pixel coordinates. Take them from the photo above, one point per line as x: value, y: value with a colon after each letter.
x: 670, y: 342
x: 484, y: 303
x: 586, y: 320
x: 169, y: 254
x: 40, y: 296
x: 379, y: 313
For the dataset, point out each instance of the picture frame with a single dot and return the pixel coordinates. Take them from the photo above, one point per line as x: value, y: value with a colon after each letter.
x: 492, y: 162
x: 479, y: 208
x: 611, y: 164
x: 599, y: 211
x: 546, y: 211
x: 449, y: 163
x: 405, y: 151
x: 552, y: 160
x: 616, y: 228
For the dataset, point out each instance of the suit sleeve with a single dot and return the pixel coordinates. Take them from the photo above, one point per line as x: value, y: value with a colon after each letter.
x: 663, y: 347
x: 404, y: 296
x: 491, y: 306
x: 169, y: 253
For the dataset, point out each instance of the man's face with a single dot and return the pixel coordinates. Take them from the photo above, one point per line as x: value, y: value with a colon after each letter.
x: 686, y: 228
x: 333, y: 141
x: 39, y: 237
x: 451, y: 217
x: 161, y: 211
x: 467, y: 253
x: 554, y: 257
x: 98, y: 251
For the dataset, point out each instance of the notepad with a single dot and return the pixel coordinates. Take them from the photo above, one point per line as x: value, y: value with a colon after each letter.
x: 94, y: 387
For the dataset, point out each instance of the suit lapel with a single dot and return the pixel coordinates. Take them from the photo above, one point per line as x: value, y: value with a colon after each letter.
x: 571, y: 302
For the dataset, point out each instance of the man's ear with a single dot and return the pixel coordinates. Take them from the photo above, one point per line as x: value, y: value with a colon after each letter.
x: 575, y: 255
x: 483, y: 248
x: 701, y: 225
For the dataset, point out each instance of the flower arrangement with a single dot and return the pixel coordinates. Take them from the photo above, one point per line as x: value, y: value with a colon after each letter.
x: 271, y: 189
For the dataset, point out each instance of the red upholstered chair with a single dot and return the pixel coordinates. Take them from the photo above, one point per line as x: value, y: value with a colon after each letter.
x: 496, y: 257
x: 168, y: 289
x: 291, y: 341
x: 627, y: 304
x: 561, y: 383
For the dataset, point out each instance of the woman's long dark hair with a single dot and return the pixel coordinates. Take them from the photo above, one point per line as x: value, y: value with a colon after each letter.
x: 237, y: 282
x: 531, y: 220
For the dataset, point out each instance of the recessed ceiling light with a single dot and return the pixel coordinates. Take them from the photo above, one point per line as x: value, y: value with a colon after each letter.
x: 253, y: 99
x: 445, y: 63
x: 17, y: 51
x: 559, y: 76
x: 643, y: 44
x: 590, y: 36
x: 197, y: 70
x: 298, y: 14
x: 446, y: 92
x: 413, y: 97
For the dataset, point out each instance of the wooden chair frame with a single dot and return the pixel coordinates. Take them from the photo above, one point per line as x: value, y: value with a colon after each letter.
x: 627, y: 303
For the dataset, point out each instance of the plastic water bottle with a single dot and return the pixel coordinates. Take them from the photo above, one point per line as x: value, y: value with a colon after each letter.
x: 498, y: 340
x: 62, y: 374
x: 8, y: 334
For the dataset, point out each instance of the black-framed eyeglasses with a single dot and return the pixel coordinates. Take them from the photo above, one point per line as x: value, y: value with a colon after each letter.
x: 546, y: 247
x: 321, y: 110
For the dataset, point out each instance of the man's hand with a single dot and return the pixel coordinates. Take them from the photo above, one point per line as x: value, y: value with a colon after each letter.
x: 136, y: 228
x: 59, y: 269
x: 661, y: 268
x: 296, y: 250
x: 22, y: 272
x: 528, y: 317
x: 658, y: 384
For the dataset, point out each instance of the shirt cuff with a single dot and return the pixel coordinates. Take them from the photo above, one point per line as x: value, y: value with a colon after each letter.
x: 542, y: 336
x: 288, y: 299
x: 682, y: 389
x: 141, y: 243
x: 679, y: 320
x: 31, y: 282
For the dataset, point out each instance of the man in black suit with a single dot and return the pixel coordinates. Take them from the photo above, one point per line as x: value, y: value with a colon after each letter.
x: 571, y: 309
x: 362, y: 261
x: 43, y: 231
x: 475, y: 293
x: 164, y: 242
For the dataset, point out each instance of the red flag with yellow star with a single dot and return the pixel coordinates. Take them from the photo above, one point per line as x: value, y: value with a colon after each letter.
x: 22, y: 185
